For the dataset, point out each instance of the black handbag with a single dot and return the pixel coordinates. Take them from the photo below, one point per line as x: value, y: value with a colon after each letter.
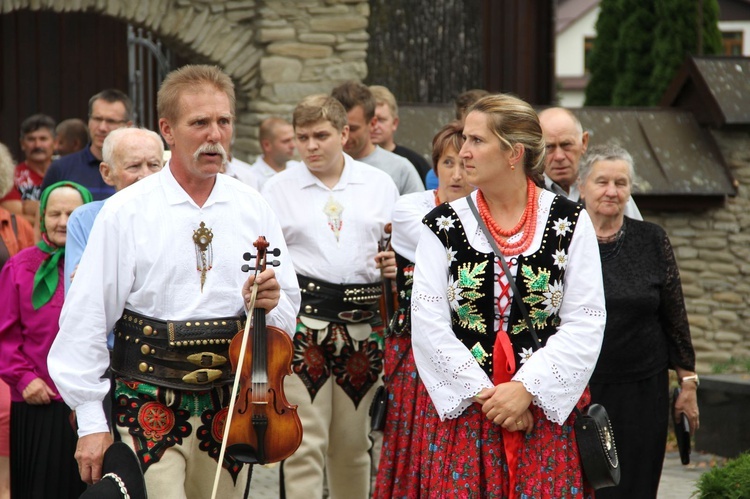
x: 378, y: 409
x: 593, y: 430
x: 681, y: 429
x: 596, y: 446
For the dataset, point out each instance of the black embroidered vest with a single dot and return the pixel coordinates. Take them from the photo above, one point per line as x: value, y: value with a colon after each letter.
x: 539, y: 278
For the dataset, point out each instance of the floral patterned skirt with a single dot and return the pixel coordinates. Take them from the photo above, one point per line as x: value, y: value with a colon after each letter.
x: 466, y: 457
x: 399, y: 467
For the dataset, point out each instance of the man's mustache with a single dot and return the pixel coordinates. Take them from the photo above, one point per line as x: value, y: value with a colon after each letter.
x: 211, y: 149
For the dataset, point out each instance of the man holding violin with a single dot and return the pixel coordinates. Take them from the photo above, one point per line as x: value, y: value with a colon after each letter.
x: 163, y: 268
x: 333, y: 214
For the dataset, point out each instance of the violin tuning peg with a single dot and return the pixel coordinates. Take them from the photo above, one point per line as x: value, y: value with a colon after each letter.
x: 245, y: 268
x: 247, y: 257
x: 276, y: 252
x: 275, y: 263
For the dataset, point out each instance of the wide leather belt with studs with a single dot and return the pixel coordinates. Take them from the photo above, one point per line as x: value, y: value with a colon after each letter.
x: 349, y: 303
x: 185, y: 355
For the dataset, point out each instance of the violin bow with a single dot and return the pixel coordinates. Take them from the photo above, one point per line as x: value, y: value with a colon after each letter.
x: 236, y: 385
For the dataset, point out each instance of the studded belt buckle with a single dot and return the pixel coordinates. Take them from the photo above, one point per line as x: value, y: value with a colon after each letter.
x: 207, y: 359
x: 356, y: 315
x: 202, y: 376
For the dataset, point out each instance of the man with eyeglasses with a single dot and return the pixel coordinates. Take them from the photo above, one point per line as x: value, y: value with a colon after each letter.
x: 108, y: 110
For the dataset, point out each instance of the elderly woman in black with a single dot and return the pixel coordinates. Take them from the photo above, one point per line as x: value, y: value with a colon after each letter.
x: 647, y: 329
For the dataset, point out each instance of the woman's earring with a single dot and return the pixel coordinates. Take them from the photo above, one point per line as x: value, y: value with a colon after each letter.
x: 512, y: 166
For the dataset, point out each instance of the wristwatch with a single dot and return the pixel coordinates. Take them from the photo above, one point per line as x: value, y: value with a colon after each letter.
x: 693, y: 377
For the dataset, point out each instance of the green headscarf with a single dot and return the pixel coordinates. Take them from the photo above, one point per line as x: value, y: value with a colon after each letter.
x: 46, y: 277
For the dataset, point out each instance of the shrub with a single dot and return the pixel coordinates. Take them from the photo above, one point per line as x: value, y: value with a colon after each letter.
x: 731, y: 481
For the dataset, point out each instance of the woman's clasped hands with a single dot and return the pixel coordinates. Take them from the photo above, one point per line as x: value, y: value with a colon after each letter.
x: 507, y: 405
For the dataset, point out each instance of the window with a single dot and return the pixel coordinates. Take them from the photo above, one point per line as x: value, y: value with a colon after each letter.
x: 588, y: 46
x: 732, y: 42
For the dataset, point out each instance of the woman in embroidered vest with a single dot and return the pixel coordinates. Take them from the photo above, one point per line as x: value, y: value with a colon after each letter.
x: 399, y: 469
x: 502, y: 421
x: 42, y: 440
x: 647, y: 329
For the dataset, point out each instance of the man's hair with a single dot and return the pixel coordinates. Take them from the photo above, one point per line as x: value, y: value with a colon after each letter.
x: 267, y: 129
x: 189, y: 79
x: 316, y: 108
x: 7, y: 167
x: 450, y: 135
x: 352, y: 94
x: 73, y: 129
x: 466, y: 99
x: 115, y: 136
x: 604, y: 152
x: 113, y: 95
x: 36, y: 122
x: 384, y: 96
x: 514, y: 121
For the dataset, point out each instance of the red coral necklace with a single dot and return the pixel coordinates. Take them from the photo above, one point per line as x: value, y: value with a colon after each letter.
x: 527, y: 223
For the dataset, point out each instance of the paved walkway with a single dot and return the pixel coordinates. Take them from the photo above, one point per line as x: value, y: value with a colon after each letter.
x: 677, y: 481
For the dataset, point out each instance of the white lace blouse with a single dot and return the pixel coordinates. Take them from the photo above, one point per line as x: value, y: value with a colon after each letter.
x: 555, y: 375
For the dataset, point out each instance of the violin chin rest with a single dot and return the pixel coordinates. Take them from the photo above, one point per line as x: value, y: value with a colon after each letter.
x: 245, y: 453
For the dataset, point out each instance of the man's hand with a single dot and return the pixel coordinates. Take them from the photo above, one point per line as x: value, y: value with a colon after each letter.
x: 90, y: 453
x: 269, y: 290
x: 386, y: 262
x: 38, y: 392
x: 507, y: 405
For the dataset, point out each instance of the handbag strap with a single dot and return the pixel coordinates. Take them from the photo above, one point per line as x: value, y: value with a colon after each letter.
x: 398, y: 364
x: 511, y: 280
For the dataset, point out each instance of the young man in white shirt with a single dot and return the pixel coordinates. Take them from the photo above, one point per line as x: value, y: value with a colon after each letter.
x: 333, y: 213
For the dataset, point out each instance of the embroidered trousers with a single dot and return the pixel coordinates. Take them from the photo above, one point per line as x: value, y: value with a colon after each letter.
x: 333, y: 385
x: 177, y: 437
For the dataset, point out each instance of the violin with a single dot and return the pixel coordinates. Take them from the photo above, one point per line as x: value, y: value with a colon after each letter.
x: 261, y: 426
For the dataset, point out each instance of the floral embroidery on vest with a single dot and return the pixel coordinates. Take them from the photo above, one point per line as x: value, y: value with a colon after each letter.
x: 465, y: 289
x: 540, y: 280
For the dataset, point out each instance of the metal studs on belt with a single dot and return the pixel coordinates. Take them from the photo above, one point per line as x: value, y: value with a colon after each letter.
x: 148, y: 330
x: 143, y: 367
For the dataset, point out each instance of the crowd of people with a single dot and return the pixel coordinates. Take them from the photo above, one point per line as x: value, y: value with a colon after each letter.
x: 123, y: 287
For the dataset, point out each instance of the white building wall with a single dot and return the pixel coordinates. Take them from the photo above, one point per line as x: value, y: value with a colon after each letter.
x: 569, y: 50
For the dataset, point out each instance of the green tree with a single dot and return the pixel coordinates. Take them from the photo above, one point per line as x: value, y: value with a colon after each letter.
x: 602, y: 63
x: 641, y: 44
x: 633, y: 56
x: 676, y: 35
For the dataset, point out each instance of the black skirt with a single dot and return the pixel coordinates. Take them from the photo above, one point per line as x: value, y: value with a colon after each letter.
x: 639, y: 412
x: 42, y: 449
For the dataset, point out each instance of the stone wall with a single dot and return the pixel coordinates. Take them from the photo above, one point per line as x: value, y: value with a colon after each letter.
x: 276, y: 51
x: 712, y: 249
